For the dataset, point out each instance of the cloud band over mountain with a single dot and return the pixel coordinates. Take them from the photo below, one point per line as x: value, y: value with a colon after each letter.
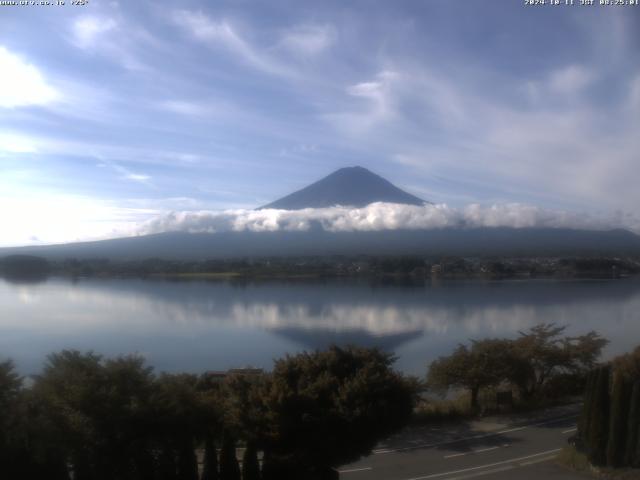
x: 383, y: 216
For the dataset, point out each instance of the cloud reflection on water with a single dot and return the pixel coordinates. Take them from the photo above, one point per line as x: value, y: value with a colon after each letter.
x: 418, y: 323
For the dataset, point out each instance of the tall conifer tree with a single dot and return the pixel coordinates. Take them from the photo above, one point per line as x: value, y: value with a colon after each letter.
x: 187, y: 462
x: 229, y: 468
x: 210, y: 467
x: 587, y: 409
x: 599, y: 424
x: 633, y: 433
x: 620, y: 393
x: 250, y: 465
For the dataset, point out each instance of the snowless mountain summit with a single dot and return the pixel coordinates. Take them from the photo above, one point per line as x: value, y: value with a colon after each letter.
x: 350, y: 186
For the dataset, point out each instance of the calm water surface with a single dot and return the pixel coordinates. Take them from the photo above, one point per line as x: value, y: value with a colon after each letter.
x: 196, y: 326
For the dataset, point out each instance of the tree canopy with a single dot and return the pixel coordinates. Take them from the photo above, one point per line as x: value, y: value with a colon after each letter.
x: 330, y: 407
x: 528, y: 362
x: 95, y: 418
x: 484, y: 363
x: 542, y: 352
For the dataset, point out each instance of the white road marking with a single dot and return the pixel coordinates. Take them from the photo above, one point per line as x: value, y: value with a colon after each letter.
x: 570, y: 430
x: 557, y: 420
x: 456, y: 455
x: 487, y: 472
x: 353, y: 470
x: 382, y: 451
x: 486, y: 449
x: 480, y: 467
x: 540, y: 460
x: 516, y: 429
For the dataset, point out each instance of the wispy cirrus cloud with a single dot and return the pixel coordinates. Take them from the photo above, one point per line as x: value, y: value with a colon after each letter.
x: 370, y: 104
x: 216, y: 33
x: 125, y: 173
x: 110, y: 34
x: 184, y: 107
x: 306, y: 40
x: 570, y: 79
x: 237, y: 105
x: 89, y: 30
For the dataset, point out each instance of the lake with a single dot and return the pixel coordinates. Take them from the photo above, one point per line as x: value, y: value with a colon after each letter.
x: 214, y: 325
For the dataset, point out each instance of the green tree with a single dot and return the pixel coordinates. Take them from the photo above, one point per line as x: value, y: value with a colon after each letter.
x: 167, y: 465
x: 629, y: 364
x: 229, y: 468
x: 599, y: 424
x: 187, y: 462
x: 100, y: 413
x: 268, y: 469
x: 542, y: 352
x: 71, y: 387
x: 182, y: 411
x: 328, y: 408
x: 10, y: 387
x: 485, y: 363
x: 210, y: 464
x: 245, y: 413
x: 632, y: 451
x: 617, y: 436
x: 250, y: 464
x: 587, y: 409
x: 24, y: 267
x: 211, y: 399
x: 11, y: 434
x: 125, y: 423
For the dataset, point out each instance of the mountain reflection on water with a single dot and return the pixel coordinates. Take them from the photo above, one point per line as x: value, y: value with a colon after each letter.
x: 198, y: 325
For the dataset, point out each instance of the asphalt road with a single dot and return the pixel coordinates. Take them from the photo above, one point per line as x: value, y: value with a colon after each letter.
x: 495, y: 448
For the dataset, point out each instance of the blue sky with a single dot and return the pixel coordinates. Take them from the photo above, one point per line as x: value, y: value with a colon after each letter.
x: 115, y: 112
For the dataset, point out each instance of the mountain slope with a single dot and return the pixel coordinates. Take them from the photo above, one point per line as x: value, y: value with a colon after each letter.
x: 448, y: 241
x: 352, y: 186
x: 356, y: 187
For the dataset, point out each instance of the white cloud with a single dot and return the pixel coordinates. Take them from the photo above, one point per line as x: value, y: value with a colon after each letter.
x: 384, y: 103
x: 301, y: 150
x: 89, y: 30
x: 375, y: 90
x: 184, y: 107
x: 137, y: 177
x: 377, y: 107
x: 122, y: 42
x: 565, y: 83
x: 380, y: 216
x: 570, y: 80
x: 58, y: 218
x: 14, y: 143
x: 407, y: 159
x: 127, y: 174
x: 22, y: 84
x: 124, y: 172
x: 308, y: 39
x: 555, y: 148
x: 222, y: 33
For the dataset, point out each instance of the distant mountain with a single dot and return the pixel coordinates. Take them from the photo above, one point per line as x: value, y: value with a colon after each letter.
x: 356, y: 187
x: 447, y: 241
x: 352, y: 186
